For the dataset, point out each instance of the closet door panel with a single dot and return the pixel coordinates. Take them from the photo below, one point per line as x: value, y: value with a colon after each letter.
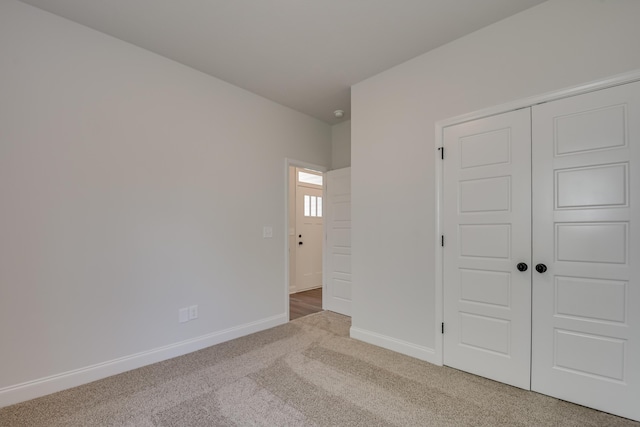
x: 487, y: 227
x: 586, y: 215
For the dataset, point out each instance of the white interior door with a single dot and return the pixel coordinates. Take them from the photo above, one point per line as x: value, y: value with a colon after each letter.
x: 586, y: 198
x: 337, y: 290
x: 487, y: 232
x: 308, y: 237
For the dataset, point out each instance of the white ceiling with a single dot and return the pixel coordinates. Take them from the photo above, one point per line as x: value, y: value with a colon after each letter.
x: 304, y: 54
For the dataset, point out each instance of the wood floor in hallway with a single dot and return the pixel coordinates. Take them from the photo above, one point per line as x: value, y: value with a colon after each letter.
x: 305, y: 303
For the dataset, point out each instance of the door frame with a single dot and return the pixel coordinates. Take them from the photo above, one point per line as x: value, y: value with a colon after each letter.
x: 605, y: 83
x: 288, y: 163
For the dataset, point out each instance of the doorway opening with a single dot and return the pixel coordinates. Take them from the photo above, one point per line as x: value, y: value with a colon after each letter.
x: 305, y: 237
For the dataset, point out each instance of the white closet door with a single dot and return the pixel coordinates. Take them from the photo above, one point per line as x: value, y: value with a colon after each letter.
x: 586, y: 220
x: 487, y: 229
x: 337, y: 291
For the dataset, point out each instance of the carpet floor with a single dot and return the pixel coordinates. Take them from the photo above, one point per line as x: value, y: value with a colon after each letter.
x: 305, y: 373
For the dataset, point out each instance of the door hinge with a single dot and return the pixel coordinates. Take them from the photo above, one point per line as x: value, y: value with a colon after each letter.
x: 441, y: 149
x: 443, y: 327
x: 442, y: 240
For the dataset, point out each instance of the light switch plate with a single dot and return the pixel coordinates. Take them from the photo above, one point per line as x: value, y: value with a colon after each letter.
x: 267, y: 232
x: 193, y: 312
x: 183, y: 315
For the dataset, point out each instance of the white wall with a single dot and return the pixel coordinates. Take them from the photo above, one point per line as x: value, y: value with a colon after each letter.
x: 558, y: 44
x: 131, y: 186
x: 341, y: 145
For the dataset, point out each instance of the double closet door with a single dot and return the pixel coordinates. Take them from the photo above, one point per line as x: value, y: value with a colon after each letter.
x: 541, y: 211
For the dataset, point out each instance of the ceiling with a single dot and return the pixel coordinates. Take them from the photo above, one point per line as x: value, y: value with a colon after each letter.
x: 304, y: 54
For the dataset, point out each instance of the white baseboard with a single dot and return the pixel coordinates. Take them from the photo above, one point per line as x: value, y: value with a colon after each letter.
x: 51, y: 384
x: 419, y: 352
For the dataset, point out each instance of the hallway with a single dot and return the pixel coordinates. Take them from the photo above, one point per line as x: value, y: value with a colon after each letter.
x: 304, y: 303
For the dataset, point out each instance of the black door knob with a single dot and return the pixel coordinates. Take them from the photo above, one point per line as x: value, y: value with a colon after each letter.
x: 541, y: 268
x: 522, y: 266
x: 299, y: 243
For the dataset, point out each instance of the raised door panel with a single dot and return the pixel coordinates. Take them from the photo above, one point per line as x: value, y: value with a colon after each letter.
x: 586, y: 188
x: 487, y: 208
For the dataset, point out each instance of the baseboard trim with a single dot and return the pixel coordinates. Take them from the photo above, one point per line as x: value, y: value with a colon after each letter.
x: 51, y: 384
x: 419, y: 352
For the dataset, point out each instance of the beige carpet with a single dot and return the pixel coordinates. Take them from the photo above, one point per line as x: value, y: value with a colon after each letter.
x: 305, y: 373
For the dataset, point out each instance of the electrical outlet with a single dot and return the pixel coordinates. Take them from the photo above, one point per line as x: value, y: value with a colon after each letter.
x: 183, y: 315
x: 193, y: 312
x: 267, y: 232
